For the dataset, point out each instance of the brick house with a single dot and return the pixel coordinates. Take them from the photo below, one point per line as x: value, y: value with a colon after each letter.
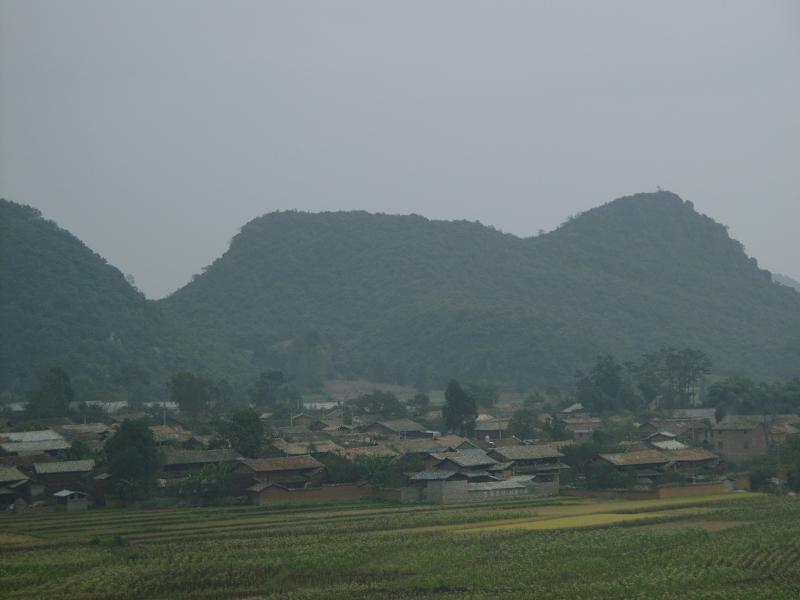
x: 741, y: 438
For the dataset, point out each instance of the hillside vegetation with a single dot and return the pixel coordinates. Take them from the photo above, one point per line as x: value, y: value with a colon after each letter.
x: 414, y: 301
x: 63, y: 305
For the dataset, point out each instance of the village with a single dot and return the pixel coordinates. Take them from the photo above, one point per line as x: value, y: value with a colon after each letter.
x: 325, y: 454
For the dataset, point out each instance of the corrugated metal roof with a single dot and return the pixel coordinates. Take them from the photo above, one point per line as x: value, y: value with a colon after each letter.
x: 34, y: 447
x: 669, y: 445
x: 433, y: 475
x: 65, y: 466
x: 8, y: 474
x: 31, y: 436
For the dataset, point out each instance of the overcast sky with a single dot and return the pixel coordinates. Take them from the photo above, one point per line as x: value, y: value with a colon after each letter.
x: 154, y: 130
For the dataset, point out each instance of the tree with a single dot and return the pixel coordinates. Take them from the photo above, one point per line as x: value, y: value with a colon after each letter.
x: 459, y: 410
x: 606, y: 388
x: 53, y: 395
x: 421, y: 403
x: 193, y: 394
x: 670, y: 378
x: 133, y: 459
x: 485, y: 394
x: 340, y: 470
x: 605, y: 476
x: 134, y: 379
x: 524, y: 423
x: 244, y: 431
x: 264, y: 392
x: 209, y: 483
x: 384, y: 404
x: 375, y: 469
x: 79, y: 450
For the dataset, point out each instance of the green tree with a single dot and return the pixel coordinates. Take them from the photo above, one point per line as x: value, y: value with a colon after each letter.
x: 375, y: 469
x: 134, y: 378
x: 192, y: 393
x: 605, y: 476
x: 210, y: 483
x: 671, y: 378
x: 379, y: 403
x: 421, y: 403
x: 338, y: 469
x: 524, y: 423
x: 485, y: 395
x: 244, y: 431
x: 606, y: 388
x: 265, y: 391
x: 133, y: 459
x: 459, y: 410
x: 53, y: 395
x: 79, y: 450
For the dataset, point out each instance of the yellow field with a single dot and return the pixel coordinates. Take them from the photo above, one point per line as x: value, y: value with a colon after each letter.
x: 591, y: 513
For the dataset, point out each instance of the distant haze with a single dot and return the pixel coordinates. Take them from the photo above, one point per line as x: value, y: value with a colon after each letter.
x: 154, y: 130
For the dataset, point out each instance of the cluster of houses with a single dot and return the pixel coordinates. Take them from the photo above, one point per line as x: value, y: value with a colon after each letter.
x: 35, y: 466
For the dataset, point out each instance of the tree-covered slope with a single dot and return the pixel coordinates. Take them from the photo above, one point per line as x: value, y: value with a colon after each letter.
x: 407, y: 299
x: 63, y: 305
x: 786, y: 280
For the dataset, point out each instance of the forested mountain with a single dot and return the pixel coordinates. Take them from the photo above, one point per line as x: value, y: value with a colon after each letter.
x: 63, y: 305
x: 410, y: 300
x: 786, y: 280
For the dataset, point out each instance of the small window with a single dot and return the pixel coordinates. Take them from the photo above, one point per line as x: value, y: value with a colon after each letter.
x: 746, y: 445
x: 720, y: 445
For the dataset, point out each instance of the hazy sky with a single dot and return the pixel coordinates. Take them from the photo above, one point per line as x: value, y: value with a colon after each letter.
x: 154, y: 130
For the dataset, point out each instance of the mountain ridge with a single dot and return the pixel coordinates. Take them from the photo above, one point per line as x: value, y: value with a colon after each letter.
x: 414, y: 300
x: 62, y: 304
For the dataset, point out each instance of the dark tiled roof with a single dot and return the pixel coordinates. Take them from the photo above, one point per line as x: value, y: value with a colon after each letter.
x: 200, y: 457
x: 742, y: 422
x: 642, y: 457
x: 401, y: 425
x: 533, y: 452
x: 284, y: 463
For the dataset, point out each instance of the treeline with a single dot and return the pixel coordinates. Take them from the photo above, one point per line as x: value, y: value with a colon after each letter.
x: 662, y: 380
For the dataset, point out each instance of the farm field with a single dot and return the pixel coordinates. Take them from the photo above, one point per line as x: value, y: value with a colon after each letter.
x: 735, y: 545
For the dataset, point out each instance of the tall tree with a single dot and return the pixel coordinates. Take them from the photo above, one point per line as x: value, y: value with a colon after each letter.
x: 265, y: 391
x: 244, y: 431
x: 524, y: 423
x: 459, y: 410
x: 485, y: 394
x: 134, y: 378
x: 133, y: 459
x: 380, y: 403
x: 671, y: 378
x: 606, y: 388
x: 193, y: 394
x: 53, y: 395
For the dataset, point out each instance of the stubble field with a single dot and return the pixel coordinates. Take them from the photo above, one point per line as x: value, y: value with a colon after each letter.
x: 736, y: 545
